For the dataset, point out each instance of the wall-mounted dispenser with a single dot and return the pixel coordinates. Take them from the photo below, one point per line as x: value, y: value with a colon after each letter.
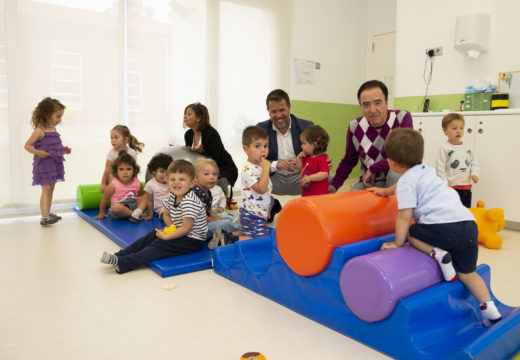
x: 472, y: 34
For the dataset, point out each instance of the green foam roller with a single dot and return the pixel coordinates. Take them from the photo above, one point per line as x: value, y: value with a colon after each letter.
x: 88, y: 196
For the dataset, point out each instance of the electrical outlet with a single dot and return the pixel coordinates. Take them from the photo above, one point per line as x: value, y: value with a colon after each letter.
x: 437, y: 51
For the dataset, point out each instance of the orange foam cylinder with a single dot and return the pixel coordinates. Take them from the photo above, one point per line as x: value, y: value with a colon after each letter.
x: 309, y: 228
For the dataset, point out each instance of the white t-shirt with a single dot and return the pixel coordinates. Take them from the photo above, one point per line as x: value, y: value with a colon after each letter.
x: 219, y: 198
x: 112, y: 154
x: 159, y: 192
x: 432, y: 201
x: 252, y: 201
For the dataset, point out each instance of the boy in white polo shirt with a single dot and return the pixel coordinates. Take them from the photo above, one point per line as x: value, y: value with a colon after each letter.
x: 443, y: 228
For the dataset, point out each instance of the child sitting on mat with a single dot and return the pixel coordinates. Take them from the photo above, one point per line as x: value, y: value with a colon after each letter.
x: 206, y: 175
x: 183, y: 209
x: 121, y: 139
x: 444, y: 229
x: 123, y: 191
x: 156, y: 189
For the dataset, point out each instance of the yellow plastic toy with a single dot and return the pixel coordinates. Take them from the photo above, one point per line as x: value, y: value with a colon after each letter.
x: 252, y: 356
x: 489, y: 222
x: 169, y: 229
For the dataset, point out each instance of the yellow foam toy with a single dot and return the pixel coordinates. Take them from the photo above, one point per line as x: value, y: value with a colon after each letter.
x: 489, y: 222
x: 169, y: 229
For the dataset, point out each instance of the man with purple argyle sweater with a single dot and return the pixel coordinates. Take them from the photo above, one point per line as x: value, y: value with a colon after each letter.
x: 366, y: 137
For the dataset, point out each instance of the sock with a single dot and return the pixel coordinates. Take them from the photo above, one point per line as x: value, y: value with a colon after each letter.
x: 137, y: 213
x: 444, y: 259
x: 109, y: 259
x: 490, y: 314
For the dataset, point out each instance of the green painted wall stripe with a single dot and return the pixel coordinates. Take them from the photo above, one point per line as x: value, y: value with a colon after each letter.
x: 332, y: 117
x: 437, y: 102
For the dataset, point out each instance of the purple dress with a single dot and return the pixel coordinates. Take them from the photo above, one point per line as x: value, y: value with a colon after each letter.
x: 49, y: 170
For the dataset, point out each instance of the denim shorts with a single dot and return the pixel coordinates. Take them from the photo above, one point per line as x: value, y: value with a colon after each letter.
x: 129, y: 203
x: 460, y: 239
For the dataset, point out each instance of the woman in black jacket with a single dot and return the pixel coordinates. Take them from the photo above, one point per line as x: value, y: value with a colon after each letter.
x: 205, y: 139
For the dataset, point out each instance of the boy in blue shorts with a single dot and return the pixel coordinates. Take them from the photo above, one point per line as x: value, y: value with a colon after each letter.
x: 443, y: 228
x: 256, y: 189
x: 183, y: 209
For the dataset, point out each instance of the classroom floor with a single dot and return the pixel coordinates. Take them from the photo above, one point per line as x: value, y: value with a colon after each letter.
x: 59, y: 302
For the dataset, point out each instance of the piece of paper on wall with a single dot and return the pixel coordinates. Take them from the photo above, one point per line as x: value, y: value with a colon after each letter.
x: 303, y: 71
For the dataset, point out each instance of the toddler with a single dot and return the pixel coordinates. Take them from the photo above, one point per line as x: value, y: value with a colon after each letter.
x: 121, y: 139
x: 312, y: 161
x: 220, y: 202
x: 256, y: 189
x: 456, y: 162
x: 183, y: 209
x: 206, y: 175
x: 156, y: 189
x: 443, y: 228
x: 123, y: 191
x: 45, y: 144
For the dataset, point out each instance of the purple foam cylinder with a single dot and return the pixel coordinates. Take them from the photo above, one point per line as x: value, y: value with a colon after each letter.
x: 374, y: 283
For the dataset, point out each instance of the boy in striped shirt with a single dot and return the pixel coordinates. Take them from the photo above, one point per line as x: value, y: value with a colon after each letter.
x: 183, y: 209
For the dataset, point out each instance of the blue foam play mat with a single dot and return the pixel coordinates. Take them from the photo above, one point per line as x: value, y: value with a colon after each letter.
x: 124, y: 232
x: 441, y: 322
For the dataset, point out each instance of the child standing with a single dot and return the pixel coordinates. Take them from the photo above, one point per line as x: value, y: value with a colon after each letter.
x: 45, y: 143
x: 312, y: 161
x: 156, y: 189
x: 456, y: 162
x: 123, y: 191
x: 444, y: 228
x: 206, y: 175
x: 121, y: 139
x: 183, y: 209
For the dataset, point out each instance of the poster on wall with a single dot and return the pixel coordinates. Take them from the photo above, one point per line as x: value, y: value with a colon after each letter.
x: 303, y: 71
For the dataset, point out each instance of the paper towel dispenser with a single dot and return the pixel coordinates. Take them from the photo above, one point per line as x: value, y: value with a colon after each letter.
x: 472, y: 34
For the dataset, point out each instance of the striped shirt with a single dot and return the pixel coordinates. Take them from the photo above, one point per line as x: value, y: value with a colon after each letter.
x: 190, y: 206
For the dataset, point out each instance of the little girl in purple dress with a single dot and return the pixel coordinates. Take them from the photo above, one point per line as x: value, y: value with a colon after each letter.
x: 45, y: 144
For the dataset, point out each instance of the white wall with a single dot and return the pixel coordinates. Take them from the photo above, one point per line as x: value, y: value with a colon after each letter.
x: 333, y: 33
x: 422, y: 25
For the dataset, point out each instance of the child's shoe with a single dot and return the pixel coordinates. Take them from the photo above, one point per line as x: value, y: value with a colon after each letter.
x: 216, y: 239
x: 55, y: 216
x: 110, y: 259
x: 48, y: 220
x: 229, y: 238
x: 444, y: 259
x: 134, y: 219
x: 490, y: 314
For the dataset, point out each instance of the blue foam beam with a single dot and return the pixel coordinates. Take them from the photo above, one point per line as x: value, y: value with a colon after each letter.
x: 441, y: 322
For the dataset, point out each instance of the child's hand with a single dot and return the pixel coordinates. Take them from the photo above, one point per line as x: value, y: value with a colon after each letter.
x: 265, y: 164
x: 389, y: 245
x: 43, y: 154
x: 220, y: 210
x: 159, y: 233
x: 67, y: 150
x: 474, y: 178
x: 378, y: 191
x: 148, y: 216
x: 100, y: 216
x: 301, y: 155
x: 305, y: 180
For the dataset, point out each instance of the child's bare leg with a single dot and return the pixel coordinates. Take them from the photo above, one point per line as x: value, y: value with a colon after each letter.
x: 479, y: 290
x: 46, y: 199
x: 121, y: 211
x: 442, y: 256
x: 475, y: 285
x: 139, y: 209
